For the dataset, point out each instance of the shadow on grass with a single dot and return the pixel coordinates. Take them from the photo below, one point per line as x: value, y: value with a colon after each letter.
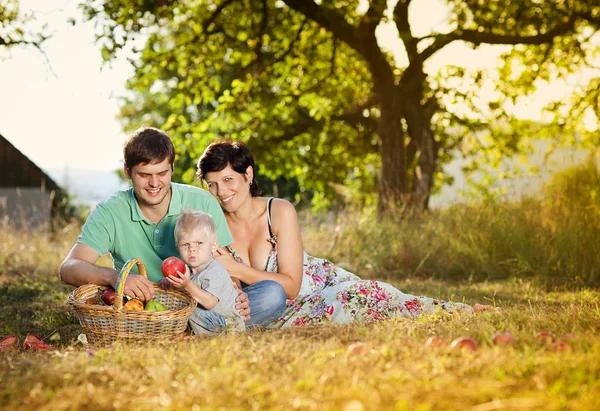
x: 36, y: 304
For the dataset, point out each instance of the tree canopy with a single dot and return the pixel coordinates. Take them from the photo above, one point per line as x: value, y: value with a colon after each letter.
x: 308, y: 86
x: 13, y: 30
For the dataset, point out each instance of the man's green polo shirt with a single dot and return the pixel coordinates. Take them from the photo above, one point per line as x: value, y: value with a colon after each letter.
x: 117, y: 226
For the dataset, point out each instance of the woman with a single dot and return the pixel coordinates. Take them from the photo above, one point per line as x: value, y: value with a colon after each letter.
x: 268, y: 246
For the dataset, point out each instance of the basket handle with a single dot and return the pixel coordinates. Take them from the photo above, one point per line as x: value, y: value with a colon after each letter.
x: 123, y: 276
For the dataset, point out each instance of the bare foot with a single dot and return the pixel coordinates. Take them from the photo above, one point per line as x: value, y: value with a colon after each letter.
x: 482, y: 307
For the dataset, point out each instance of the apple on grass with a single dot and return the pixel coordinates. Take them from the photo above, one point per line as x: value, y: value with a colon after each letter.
x: 503, y: 339
x: 435, y: 341
x: 171, y: 265
x: 544, y: 337
x: 464, y: 343
x: 561, y: 346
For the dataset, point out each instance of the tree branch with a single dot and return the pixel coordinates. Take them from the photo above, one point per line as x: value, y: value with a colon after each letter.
x: 354, y: 115
x: 216, y: 13
x: 476, y: 37
x: 333, y: 56
x: 372, y: 17
x: 293, y: 42
x: 330, y: 20
x: 404, y: 30
x: 263, y: 30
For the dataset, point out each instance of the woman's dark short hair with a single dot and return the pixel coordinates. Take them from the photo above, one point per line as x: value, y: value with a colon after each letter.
x: 148, y: 145
x: 221, y: 153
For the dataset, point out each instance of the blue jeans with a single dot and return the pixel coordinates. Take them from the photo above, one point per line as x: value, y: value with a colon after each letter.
x: 267, y: 304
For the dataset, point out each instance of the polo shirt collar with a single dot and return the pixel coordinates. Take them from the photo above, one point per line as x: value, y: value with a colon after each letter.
x: 136, y: 213
x: 174, y: 206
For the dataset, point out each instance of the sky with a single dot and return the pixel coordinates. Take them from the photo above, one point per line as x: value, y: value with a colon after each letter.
x: 60, y: 108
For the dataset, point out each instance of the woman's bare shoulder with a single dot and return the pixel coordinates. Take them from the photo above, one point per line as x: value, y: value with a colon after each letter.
x: 282, y: 211
x: 283, y: 206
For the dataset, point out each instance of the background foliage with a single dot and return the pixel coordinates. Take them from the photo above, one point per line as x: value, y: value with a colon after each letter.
x: 308, y: 87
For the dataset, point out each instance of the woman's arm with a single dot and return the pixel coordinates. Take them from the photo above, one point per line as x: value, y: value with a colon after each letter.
x: 289, y: 252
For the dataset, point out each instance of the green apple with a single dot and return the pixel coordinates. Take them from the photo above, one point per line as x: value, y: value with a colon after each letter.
x: 155, y: 306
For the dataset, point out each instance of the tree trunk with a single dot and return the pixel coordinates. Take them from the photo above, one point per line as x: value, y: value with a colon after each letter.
x: 392, y: 178
x: 393, y: 187
x: 423, y: 182
x: 418, y: 118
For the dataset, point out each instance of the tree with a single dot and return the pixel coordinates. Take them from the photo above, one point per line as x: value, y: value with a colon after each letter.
x: 308, y: 86
x: 13, y: 30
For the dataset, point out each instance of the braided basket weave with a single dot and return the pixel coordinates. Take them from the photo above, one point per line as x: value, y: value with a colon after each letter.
x: 104, y: 325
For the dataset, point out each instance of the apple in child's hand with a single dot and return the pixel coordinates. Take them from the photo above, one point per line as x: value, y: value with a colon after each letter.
x: 108, y: 296
x: 464, y: 343
x: 171, y: 265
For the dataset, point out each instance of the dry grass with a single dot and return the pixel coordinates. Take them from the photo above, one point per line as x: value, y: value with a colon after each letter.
x: 319, y: 368
x: 383, y: 365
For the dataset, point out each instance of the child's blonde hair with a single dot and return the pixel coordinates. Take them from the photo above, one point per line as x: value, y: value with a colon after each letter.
x: 189, y: 220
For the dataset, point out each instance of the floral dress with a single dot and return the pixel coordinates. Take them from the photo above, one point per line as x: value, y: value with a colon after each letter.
x: 331, y: 294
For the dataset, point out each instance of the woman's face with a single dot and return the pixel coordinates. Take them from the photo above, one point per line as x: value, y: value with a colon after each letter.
x: 231, y: 188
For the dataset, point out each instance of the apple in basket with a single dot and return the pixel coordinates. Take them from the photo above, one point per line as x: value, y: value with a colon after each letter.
x: 155, y: 306
x: 171, y: 265
x: 134, y: 304
x: 108, y: 296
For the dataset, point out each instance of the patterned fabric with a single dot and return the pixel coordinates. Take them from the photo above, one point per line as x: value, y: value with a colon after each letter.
x: 331, y: 294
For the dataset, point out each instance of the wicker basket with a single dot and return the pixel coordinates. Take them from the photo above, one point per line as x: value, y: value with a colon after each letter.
x: 104, y: 325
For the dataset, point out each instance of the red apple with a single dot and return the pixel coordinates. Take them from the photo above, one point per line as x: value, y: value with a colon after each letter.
x: 108, y: 296
x: 171, y: 265
x: 561, y: 346
x: 544, y: 337
x: 464, y: 343
x: 435, y: 341
x: 503, y: 339
x: 357, y: 348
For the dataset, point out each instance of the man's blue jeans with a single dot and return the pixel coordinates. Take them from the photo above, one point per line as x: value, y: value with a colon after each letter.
x: 267, y: 304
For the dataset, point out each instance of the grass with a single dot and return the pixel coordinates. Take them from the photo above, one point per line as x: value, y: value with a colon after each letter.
x: 534, y: 259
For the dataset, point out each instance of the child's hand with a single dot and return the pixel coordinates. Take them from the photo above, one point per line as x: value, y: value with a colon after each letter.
x: 164, y: 284
x: 184, y: 279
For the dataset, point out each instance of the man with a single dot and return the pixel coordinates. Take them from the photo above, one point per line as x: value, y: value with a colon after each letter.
x: 140, y: 222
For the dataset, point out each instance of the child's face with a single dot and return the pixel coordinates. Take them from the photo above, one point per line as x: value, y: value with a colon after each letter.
x: 196, y: 248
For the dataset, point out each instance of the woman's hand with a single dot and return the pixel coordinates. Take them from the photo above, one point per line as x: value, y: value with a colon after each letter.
x: 223, y: 256
x: 237, y: 284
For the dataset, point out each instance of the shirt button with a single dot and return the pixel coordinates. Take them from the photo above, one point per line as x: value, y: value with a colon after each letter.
x: 156, y: 231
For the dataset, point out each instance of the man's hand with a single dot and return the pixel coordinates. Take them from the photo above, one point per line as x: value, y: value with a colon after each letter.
x: 243, y: 304
x: 139, y: 287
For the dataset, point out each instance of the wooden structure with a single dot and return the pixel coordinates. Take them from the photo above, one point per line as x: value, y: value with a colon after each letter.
x: 28, y: 196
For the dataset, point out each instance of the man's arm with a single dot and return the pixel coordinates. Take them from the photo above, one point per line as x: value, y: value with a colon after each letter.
x: 79, y: 268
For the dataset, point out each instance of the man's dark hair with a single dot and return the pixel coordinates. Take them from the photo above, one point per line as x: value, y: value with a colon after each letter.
x: 148, y: 145
x: 235, y: 153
